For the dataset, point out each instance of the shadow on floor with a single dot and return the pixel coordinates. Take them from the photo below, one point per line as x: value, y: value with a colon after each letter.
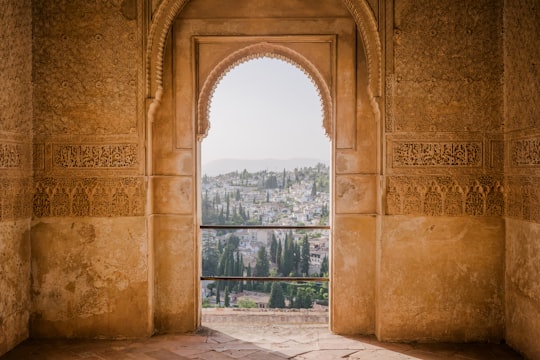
x: 254, y: 341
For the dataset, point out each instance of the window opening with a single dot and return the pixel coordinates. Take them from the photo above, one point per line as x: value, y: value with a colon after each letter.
x: 265, y: 192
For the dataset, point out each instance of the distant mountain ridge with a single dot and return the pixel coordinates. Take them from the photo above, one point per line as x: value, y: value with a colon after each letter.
x: 223, y: 166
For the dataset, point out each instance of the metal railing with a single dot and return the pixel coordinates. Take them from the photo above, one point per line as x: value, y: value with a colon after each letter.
x: 265, y: 227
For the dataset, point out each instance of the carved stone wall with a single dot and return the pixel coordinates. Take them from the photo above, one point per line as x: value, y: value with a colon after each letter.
x: 87, y: 67
x: 444, y: 109
x: 444, y: 183
x: 88, y: 155
x: 460, y: 169
x: 444, y: 100
x: 88, y: 197
x: 447, y: 64
x: 445, y: 195
x: 522, y: 170
x: 15, y: 170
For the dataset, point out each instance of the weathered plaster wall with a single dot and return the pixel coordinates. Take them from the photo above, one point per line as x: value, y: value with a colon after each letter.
x: 89, y: 237
x: 442, y: 241
x: 441, y: 279
x: 89, y: 277
x: 15, y: 170
x: 522, y: 170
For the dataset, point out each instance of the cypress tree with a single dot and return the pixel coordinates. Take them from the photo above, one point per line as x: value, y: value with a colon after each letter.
x: 304, y: 257
x: 273, y: 248
x: 227, y: 213
x: 278, y: 257
x: 277, y: 300
x: 324, y: 266
x: 262, y: 264
x: 227, y: 300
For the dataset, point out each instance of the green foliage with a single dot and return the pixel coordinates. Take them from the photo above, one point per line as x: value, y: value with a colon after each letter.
x: 287, y: 257
x: 304, y: 256
x: 324, y: 266
x: 262, y: 264
x: 206, y: 303
x: 246, y: 303
x: 273, y: 248
x: 303, y: 298
x: 227, y: 297
x: 277, y: 299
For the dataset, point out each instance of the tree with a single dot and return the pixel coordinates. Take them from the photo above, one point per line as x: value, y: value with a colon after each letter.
x: 227, y: 299
x: 287, y: 256
x: 246, y: 303
x: 218, y: 300
x: 304, y: 298
x: 227, y: 213
x: 262, y: 264
x: 277, y: 300
x: 271, y: 182
x: 314, y: 189
x: 273, y: 248
x: 210, y: 259
x: 249, y: 283
x: 296, y: 256
x: 324, y: 266
x: 279, y: 250
x: 304, y: 256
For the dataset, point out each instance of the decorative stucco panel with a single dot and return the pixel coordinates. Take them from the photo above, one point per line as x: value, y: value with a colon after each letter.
x: 86, y: 67
x: 16, y: 67
x: 98, y: 197
x: 448, y: 66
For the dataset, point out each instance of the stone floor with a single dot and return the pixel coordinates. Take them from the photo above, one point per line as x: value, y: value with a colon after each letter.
x: 234, y: 341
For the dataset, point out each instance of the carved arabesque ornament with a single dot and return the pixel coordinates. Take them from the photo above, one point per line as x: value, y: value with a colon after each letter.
x: 445, y: 196
x: 16, y: 198
x: 99, y: 197
x: 257, y: 51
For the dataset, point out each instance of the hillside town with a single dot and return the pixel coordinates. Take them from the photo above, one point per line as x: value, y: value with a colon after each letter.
x: 298, y: 197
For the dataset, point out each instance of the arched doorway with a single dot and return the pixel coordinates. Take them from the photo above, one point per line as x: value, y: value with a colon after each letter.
x: 265, y: 196
x: 180, y: 65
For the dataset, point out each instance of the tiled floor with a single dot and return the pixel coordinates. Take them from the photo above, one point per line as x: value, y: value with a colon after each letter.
x: 254, y: 342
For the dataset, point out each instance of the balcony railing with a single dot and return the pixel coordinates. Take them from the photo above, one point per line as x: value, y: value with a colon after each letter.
x: 299, y: 279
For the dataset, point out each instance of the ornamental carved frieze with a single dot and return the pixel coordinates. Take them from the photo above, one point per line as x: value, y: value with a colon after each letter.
x: 100, y: 197
x: 525, y: 152
x: 445, y: 196
x: 74, y: 156
x: 523, y: 198
x: 451, y: 154
x: 16, y: 198
x: 10, y: 156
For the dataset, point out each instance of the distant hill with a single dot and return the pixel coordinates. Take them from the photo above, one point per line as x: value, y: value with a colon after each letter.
x: 224, y: 166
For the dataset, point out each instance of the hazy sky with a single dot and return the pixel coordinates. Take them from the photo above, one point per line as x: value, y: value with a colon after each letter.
x: 265, y: 108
